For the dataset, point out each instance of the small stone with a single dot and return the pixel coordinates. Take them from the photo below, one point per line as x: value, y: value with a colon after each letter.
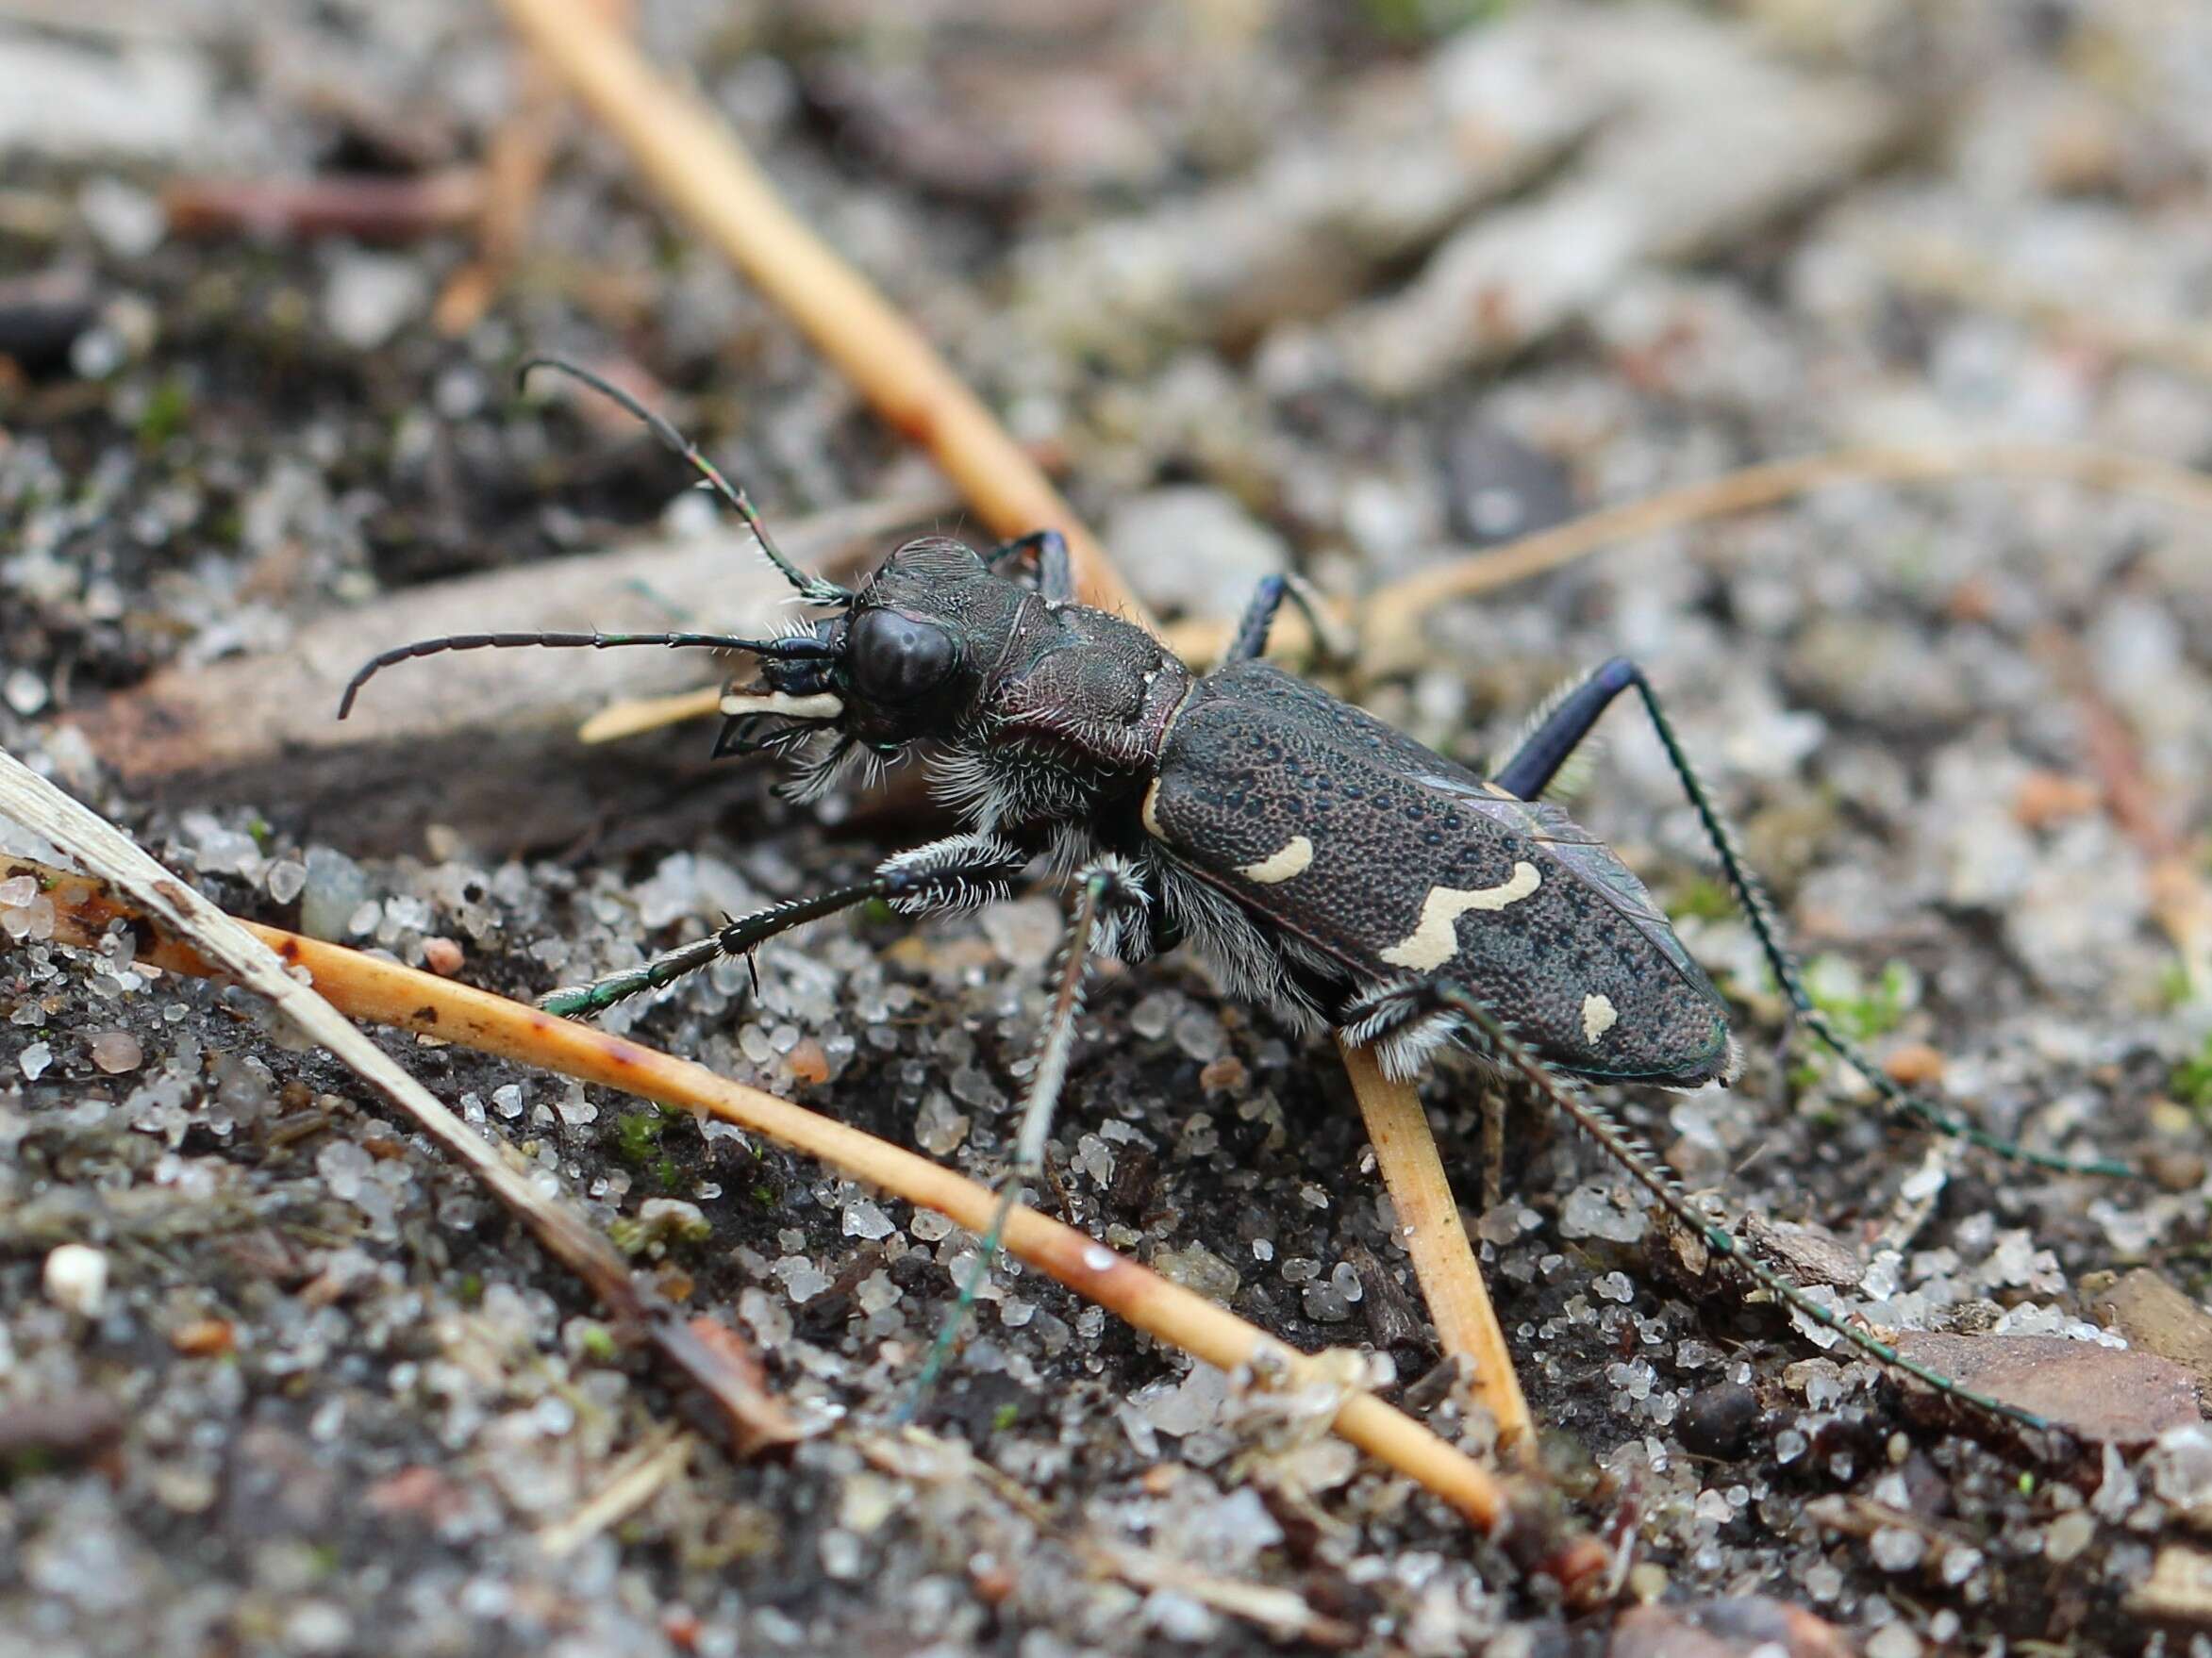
x: 1897, y: 1547
x: 1737, y: 1628
x: 370, y: 297
x: 1501, y: 488
x: 2068, y: 1535
x: 115, y: 1052
x: 334, y: 890
x: 24, y: 691
x: 864, y: 1219
x: 807, y: 1062
x: 287, y: 878
x: 128, y: 222
x: 203, y: 1338
x: 34, y: 1059
x: 1325, y: 1304
x: 443, y: 957
x: 1589, y: 1211
x: 1197, y: 1268
x: 1914, y: 1065
x: 1717, y: 1421
x: 2045, y: 798
x: 1225, y: 1075
x: 77, y: 1279
x: 1893, y: 1640
x: 2179, y: 1589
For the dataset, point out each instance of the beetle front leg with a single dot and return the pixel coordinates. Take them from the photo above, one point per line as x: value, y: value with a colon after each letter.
x: 1331, y: 644
x: 1531, y: 768
x: 958, y: 872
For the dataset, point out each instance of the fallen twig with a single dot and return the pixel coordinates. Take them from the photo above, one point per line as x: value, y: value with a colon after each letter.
x: 636, y: 1480
x: 1951, y: 270
x: 691, y: 155
x: 372, y: 207
x: 1443, y: 1261
x: 1389, y: 621
x: 384, y: 992
x: 1285, y: 1613
x: 416, y: 750
x: 216, y: 943
x: 516, y: 160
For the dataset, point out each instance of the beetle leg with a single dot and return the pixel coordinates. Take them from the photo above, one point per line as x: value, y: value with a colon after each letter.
x: 1048, y: 551
x: 1494, y: 1036
x: 958, y: 872
x: 1531, y: 768
x: 1331, y: 644
x: 1108, y: 900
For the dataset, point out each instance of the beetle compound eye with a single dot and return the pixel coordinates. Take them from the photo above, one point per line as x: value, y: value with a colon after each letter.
x: 895, y: 658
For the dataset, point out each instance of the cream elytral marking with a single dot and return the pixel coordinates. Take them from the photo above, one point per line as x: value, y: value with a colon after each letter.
x: 1150, y: 822
x: 1436, y: 940
x: 821, y: 705
x: 1294, y: 858
x: 1598, y: 1017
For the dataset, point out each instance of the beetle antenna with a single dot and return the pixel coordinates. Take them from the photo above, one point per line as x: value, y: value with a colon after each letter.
x: 815, y: 590
x: 789, y: 648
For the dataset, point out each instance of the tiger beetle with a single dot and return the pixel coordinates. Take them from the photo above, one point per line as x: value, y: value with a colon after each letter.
x: 1320, y: 862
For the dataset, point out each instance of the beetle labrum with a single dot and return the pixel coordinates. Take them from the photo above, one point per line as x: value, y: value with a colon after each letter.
x: 1322, y: 863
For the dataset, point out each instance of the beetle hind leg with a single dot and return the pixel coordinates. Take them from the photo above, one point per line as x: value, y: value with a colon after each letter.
x: 1551, y: 745
x: 1497, y: 1038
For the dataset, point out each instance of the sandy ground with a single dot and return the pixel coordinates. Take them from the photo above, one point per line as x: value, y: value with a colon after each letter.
x: 1348, y: 290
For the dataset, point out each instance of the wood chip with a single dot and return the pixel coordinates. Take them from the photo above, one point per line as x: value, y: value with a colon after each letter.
x: 1726, y: 1628
x: 459, y: 740
x: 2158, y: 1317
x: 2103, y: 1395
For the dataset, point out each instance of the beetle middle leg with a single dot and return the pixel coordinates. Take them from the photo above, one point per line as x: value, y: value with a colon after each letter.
x: 958, y: 872
x: 1109, y: 900
x: 1531, y: 768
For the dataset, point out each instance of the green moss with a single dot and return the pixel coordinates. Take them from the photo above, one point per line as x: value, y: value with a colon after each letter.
x: 1705, y: 898
x: 2191, y: 1080
x: 1004, y: 1417
x: 599, y: 1344
x: 168, y: 410
x: 1863, y: 1010
x: 1429, y: 20
x: 637, y: 1136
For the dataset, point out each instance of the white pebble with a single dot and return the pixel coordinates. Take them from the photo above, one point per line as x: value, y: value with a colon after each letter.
x: 77, y: 1279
